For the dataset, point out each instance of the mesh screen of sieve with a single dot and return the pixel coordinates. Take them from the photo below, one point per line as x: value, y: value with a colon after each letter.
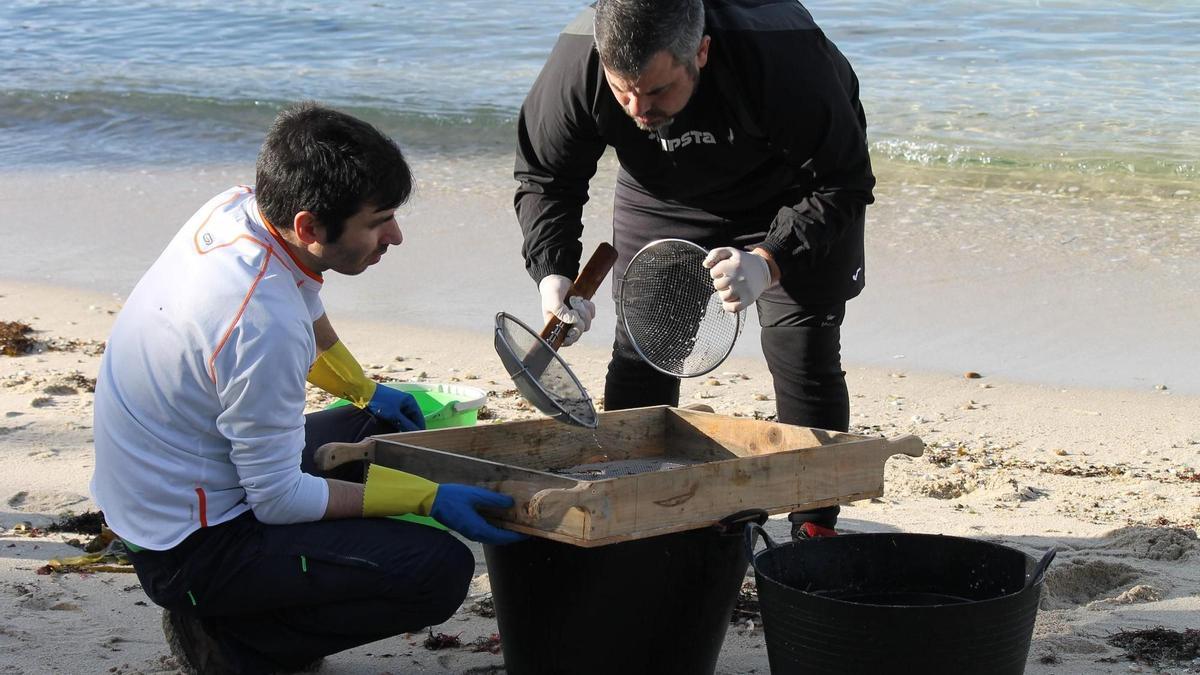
x: 672, y: 313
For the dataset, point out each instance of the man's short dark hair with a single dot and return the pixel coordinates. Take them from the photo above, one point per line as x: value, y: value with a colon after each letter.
x: 328, y: 163
x: 630, y: 32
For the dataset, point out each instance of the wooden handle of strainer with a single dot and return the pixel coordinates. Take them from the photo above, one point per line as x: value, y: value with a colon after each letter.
x: 585, y: 285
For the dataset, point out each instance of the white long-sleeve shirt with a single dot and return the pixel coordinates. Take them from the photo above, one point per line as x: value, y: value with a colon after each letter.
x: 199, y: 411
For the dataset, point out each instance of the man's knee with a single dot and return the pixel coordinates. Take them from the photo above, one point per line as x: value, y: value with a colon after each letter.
x: 450, y: 576
x: 633, y: 383
x: 642, y: 387
x: 811, y: 352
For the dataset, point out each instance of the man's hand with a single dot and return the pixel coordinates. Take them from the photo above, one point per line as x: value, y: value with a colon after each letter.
x: 738, y: 276
x: 388, y: 492
x: 579, y: 314
x: 455, y: 507
x: 397, y: 407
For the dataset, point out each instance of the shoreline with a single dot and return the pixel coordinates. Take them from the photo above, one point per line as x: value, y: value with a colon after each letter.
x: 1056, y: 288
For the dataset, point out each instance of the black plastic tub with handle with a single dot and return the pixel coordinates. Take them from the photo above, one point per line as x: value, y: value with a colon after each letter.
x: 895, y: 603
x: 656, y: 605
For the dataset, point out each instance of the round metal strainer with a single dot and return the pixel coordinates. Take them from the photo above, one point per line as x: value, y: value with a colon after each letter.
x: 672, y: 313
x: 532, y: 359
x: 541, y: 375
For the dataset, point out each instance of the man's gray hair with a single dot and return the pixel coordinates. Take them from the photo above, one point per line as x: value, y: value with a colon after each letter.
x: 630, y: 32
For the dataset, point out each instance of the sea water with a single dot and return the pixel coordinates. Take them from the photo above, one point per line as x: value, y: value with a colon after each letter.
x: 1037, y: 214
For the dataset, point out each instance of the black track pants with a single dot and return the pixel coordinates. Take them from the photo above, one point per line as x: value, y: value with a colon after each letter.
x: 281, y: 596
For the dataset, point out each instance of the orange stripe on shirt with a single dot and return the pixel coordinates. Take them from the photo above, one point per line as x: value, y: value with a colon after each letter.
x: 270, y: 249
x: 212, y: 371
x: 282, y: 242
x: 244, y: 191
x: 203, y: 498
x: 265, y: 245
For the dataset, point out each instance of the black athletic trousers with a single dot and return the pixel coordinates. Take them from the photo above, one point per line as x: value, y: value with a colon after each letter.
x: 801, y: 343
x: 281, y: 596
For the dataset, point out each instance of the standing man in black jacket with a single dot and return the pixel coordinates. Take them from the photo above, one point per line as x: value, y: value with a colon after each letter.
x: 737, y: 125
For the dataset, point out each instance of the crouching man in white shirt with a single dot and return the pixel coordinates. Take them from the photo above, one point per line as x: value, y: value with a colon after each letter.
x: 203, y: 450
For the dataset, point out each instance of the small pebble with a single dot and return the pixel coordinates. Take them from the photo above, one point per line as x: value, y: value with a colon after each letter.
x: 760, y: 397
x: 972, y: 375
x: 713, y: 382
x: 1160, y: 387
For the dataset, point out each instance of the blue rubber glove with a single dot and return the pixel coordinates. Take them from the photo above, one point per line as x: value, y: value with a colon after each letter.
x: 454, y: 506
x: 397, y: 407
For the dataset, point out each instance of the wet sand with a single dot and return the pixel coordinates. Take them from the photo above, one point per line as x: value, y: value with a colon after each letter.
x: 1083, y: 288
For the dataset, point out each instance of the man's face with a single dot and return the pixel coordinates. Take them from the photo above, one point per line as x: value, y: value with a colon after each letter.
x: 653, y: 98
x: 365, y: 238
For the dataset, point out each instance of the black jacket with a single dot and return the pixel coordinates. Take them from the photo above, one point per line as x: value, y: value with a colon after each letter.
x: 775, y: 123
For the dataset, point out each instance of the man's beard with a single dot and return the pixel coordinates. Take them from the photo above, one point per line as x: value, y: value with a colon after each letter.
x: 658, y: 128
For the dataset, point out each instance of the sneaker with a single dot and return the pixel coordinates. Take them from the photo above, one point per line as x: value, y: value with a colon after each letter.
x: 197, y: 652
x: 811, y: 531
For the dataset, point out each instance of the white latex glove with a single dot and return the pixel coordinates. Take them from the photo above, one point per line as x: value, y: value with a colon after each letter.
x: 739, y: 276
x: 579, y: 313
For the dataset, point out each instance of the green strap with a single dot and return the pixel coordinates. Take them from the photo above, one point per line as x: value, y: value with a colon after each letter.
x: 303, y: 564
x: 192, y: 598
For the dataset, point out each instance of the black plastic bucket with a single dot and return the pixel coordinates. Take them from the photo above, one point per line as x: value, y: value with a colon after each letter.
x: 896, y: 603
x: 655, y: 605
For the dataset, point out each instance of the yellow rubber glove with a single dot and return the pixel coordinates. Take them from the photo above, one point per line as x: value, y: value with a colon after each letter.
x: 338, y: 372
x: 389, y: 492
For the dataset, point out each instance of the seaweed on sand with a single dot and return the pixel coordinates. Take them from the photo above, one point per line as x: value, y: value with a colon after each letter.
x: 1158, y: 645
x: 14, y: 338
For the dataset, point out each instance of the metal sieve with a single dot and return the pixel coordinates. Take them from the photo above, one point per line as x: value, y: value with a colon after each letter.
x: 541, y: 375
x: 532, y: 359
x: 671, y: 311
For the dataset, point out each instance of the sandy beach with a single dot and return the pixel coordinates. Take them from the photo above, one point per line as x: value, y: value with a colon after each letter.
x: 1030, y: 311
x: 1108, y: 477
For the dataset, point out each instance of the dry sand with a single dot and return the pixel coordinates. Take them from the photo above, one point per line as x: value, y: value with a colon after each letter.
x: 1108, y: 477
